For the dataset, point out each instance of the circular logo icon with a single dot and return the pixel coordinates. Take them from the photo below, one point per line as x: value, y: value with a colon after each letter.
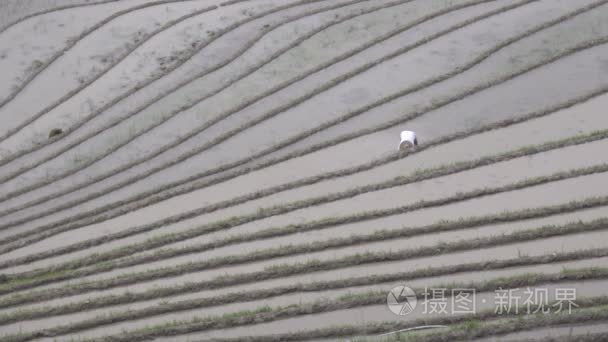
x: 401, y: 300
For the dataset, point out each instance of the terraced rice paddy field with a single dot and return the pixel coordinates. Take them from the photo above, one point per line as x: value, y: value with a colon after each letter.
x: 192, y: 170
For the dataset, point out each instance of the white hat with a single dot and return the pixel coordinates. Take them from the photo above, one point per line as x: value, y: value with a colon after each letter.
x: 408, y: 139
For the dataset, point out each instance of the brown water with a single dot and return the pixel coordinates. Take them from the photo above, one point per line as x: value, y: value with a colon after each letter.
x: 301, y: 298
x: 555, y: 332
x: 572, y: 189
x: 378, y: 313
x: 582, y: 118
x: 300, y: 168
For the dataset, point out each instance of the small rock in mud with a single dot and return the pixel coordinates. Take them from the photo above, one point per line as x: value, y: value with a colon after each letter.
x: 55, y: 132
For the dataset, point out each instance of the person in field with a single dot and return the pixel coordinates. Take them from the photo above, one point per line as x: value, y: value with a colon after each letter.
x: 408, y: 140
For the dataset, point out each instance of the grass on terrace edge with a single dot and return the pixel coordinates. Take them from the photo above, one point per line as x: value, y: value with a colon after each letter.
x: 131, y: 278
x: 60, y: 272
x: 440, y: 103
x: 283, y: 271
x: 268, y: 314
x: 473, y: 329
